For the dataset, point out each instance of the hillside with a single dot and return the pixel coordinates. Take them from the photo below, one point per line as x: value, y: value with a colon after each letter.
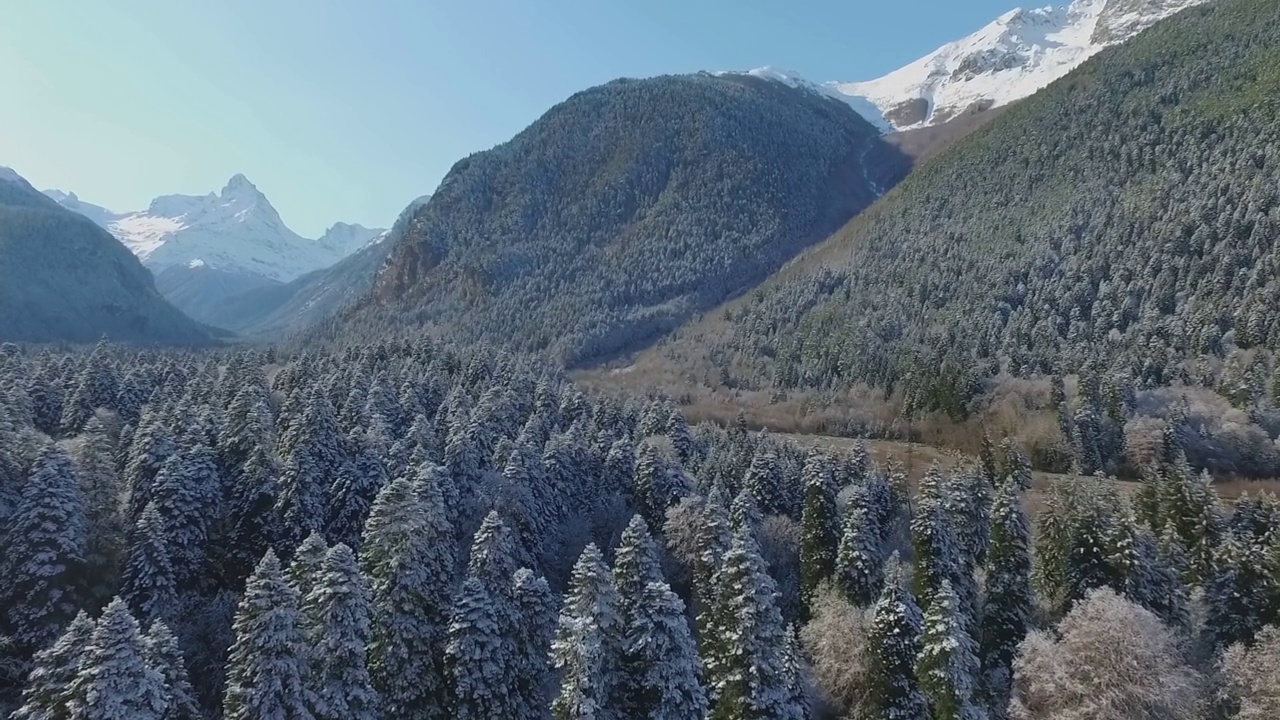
x: 62, y: 278
x: 624, y: 211
x: 1124, y: 217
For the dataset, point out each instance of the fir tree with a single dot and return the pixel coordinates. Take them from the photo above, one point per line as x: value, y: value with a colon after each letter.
x: 115, y: 681
x: 764, y: 481
x: 820, y: 524
x: 793, y: 660
x: 164, y: 656
x: 47, y: 695
x: 148, y: 582
x: 860, y: 561
x: 746, y: 668
x: 1236, y: 594
x: 304, y: 570
x: 937, y: 551
x: 353, y: 494
x: 151, y: 447
x: 254, y: 526
x: 893, y: 645
x: 336, y: 613
x: 43, y: 554
x: 188, y: 497
x: 100, y: 488
x: 408, y: 554
x: 1007, y: 607
x: 536, y: 608
x: 265, y: 666
x: 713, y: 538
x: 948, y: 664
x: 587, y: 650
x: 479, y: 656
x: 635, y: 567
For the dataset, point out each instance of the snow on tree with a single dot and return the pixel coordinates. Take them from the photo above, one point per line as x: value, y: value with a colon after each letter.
x: 681, y: 436
x: 249, y: 426
x: 304, y: 569
x: 893, y: 646
x: 266, y: 662
x: 1237, y: 593
x: 587, y: 650
x: 744, y: 513
x: 663, y: 668
x: 764, y: 481
x: 43, y: 554
x: 636, y: 565
x: 948, y: 664
x: 859, y: 564
x: 253, y: 524
x: 745, y: 651
x: 1009, y: 601
x: 314, y: 456
x: 115, y: 681
x: 95, y: 387
x: 793, y: 660
x: 536, y: 608
x: 651, y: 491
x: 933, y: 537
x: 492, y: 555
x: 479, y: 655
x: 353, y: 493
x: 151, y: 447
x: 713, y: 538
x: 188, y: 498
x: 1108, y: 658
x: 820, y: 522
x: 94, y: 461
x: 148, y: 582
x: 47, y: 694
x: 408, y: 554
x: 337, y: 625
x: 1251, y: 676
x: 164, y: 656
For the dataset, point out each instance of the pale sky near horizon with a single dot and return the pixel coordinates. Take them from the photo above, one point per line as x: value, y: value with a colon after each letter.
x: 345, y: 110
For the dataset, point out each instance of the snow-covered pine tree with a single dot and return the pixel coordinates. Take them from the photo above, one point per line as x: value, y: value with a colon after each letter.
x: 409, y: 554
x: 663, y: 667
x: 713, y: 537
x: 95, y: 469
x: 148, y: 582
x: 893, y: 645
x: 744, y: 513
x: 860, y: 559
x: 353, y: 492
x: 820, y: 524
x: 253, y: 524
x: 493, y: 555
x: 48, y: 690
x: 115, y: 681
x: 536, y: 608
x: 971, y: 497
x: 266, y: 661
x: 1009, y: 602
x: 681, y: 437
x: 165, y: 657
x: 764, y: 481
x: 636, y: 564
x: 151, y: 447
x: 43, y: 554
x: 249, y: 427
x: 650, y: 482
x: 188, y: 497
x: 336, y: 616
x: 793, y: 660
x: 933, y: 537
x: 745, y: 653
x: 94, y: 387
x: 1236, y: 593
x: 304, y: 569
x: 948, y: 664
x: 587, y: 650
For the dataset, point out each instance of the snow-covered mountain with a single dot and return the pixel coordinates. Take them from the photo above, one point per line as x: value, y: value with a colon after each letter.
x: 1014, y: 56
x: 234, y: 231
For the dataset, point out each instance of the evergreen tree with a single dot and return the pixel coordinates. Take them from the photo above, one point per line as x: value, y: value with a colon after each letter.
x: 151, y: 447
x: 164, y: 656
x: 479, y: 656
x: 1008, y: 604
x: 43, y: 554
x: 304, y: 570
x: 860, y: 561
x: 47, y: 695
x: 1236, y: 594
x: 188, y: 497
x: 408, y: 555
x: 893, y: 645
x: 681, y: 437
x: 253, y: 524
x: 265, y: 666
x: 764, y: 481
x: 353, y: 494
x: 106, y: 529
x: 745, y: 658
x: 148, y: 582
x: 336, y: 616
x: 635, y: 567
x: 663, y: 677
x: 820, y: 524
x: 937, y: 551
x: 713, y: 537
x: 115, y: 681
x: 948, y: 664
x: 587, y: 650
x: 651, y: 484
x: 536, y: 608
x: 793, y: 660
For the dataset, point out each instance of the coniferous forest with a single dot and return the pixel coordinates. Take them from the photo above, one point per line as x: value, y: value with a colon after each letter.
x: 421, y: 530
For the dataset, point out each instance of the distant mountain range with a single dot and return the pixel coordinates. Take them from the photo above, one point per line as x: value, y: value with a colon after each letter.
x: 1015, y: 55
x: 63, y: 278
x: 206, y: 250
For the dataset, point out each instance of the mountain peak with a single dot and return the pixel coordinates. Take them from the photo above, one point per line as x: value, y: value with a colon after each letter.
x: 8, y: 174
x: 239, y: 186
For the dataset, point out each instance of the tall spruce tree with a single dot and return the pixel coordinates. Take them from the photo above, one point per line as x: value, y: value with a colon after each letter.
x: 536, y: 609
x: 43, y: 554
x: 188, y: 498
x: 353, y: 493
x: 304, y: 570
x: 47, y: 695
x: 266, y: 662
x: 948, y: 666
x: 409, y: 554
x: 336, y: 616
x: 820, y: 524
x: 893, y: 646
x: 860, y: 559
x: 253, y: 525
x: 1009, y: 602
x: 587, y: 650
x: 148, y: 583
x: 115, y: 681
x: 165, y: 656
x: 95, y: 469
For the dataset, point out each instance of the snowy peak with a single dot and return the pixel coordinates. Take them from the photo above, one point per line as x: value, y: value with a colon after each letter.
x: 235, y: 230
x: 1012, y: 57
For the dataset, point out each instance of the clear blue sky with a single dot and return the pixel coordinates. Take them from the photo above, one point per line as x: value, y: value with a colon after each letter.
x: 348, y: 109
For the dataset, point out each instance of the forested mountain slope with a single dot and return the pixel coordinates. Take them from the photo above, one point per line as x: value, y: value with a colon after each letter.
x: 1126, y: 216
x: 625, y: 210
x: 64, y: 278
